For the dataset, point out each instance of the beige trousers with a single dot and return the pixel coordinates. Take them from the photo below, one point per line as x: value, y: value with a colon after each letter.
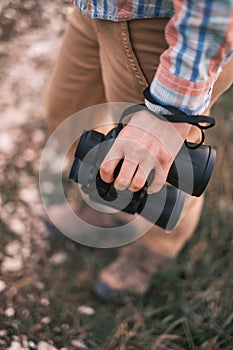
x: 104, y: 61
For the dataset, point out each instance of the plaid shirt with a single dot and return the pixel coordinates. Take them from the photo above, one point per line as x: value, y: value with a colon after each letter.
x: 200, y: 39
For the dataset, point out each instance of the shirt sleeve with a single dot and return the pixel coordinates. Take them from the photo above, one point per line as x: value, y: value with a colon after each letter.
x: 200, y: 42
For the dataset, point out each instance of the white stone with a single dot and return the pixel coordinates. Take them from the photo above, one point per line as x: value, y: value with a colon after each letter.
x: 3, y: 332
x: 79, y: 344
x: 12, y: 264
x: 9, y: 312
x: 6, y: 143
x: 13, y: 248
x: 29, y: 194
x: 58, y: 258
x: 40, y: 48
x: 2, y: 286
x: 45, y: 301
x: 26, y: 251
x: 29, y: 154
x: 31, y: 344
x: 38, y: 136
x: 46, y: 320
x: 39, y: 285
x: 86, y: 310
x: 42, y: 345
x: 17, y: 226
x: 15, y: 345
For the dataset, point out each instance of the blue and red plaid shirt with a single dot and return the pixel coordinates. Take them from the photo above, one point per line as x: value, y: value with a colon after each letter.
x: 200, y: 39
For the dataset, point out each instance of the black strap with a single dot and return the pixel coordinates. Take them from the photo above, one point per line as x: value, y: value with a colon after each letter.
x: 177, y: 116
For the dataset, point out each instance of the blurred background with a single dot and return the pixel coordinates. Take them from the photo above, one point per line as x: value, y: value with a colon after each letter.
x: 45, y: 280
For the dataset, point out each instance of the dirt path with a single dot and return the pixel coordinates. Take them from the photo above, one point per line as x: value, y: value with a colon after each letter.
x: 31, y: 35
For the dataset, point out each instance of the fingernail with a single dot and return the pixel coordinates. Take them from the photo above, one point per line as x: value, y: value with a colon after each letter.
x: 149, y: 191
x: 122, y: 184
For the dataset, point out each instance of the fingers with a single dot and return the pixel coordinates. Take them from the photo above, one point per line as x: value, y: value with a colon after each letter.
x: 136, y: 162
x: 133, y: 175
x: 124, y: 178
x: 107, y: 169
x: 140, y: 177
x: 161, y: 173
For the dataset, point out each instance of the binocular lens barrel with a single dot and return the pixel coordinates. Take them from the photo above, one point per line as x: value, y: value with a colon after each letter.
x: 172, y: 207
x: 196, y: 162
x: 190, y: 173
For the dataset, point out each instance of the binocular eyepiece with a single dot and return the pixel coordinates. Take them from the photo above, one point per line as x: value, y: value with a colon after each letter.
x: 189, y: 173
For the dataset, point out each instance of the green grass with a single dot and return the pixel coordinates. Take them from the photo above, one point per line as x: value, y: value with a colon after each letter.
x: 189, y: 305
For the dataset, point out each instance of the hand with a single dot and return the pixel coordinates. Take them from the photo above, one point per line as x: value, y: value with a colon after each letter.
x: 145, y: 143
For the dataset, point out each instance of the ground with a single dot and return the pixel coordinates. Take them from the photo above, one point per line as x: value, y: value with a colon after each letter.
x: 45, y: 280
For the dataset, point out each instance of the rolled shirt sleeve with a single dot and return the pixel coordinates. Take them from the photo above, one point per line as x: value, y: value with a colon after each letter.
x: 200, y: 42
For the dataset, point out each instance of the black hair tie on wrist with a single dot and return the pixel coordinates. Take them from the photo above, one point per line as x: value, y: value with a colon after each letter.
x: 177, y: 116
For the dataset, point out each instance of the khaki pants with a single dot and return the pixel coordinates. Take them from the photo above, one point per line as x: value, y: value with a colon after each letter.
x: 104, y: 61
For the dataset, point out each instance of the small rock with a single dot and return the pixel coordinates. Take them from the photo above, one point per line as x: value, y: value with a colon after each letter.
x: 45, y: 302
x: 17, y: 226
x: 29, y: 194
x: 25, y: 251
x: 29, y: 5
x: 13, y: 248
x: 3, y: 332
x: 46, y: 320
x: 86, y: 310
x: 39, y: 285
x: 6, y: 143
x: 15, y: 345
x: 38, y: 136
x: 58, y: 258
x: 29, y: 154
x: 31, y: 344
x: 16, y: 338
x: 10, y: 14
x: 42, y: 345
x: 9, y: 312
x: 2, y: 286
x: 79, y: 344
x: 38, y: 49
x: 12, y: 264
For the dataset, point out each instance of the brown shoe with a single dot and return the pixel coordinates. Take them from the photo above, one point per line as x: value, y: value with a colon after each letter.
x: 129, y: 276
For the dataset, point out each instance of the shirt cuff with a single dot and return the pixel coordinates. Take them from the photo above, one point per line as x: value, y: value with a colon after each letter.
x: 171, y: 90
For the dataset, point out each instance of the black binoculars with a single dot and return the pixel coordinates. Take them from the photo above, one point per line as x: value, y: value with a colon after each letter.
x: 190, y: 173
